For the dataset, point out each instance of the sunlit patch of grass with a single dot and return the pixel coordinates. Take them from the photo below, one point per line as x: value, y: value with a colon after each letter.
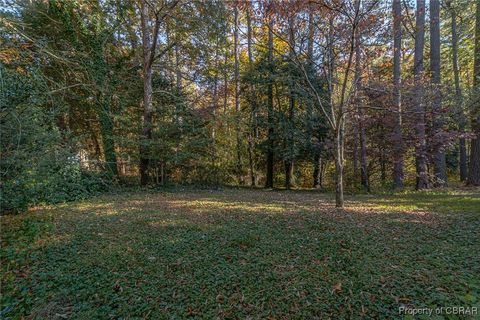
x: 438, y: 201
x: 205, y: 205
x: 241, y: 254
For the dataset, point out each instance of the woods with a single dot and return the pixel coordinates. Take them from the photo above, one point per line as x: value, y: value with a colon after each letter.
x: 294, y: 94
x: 264, y: 159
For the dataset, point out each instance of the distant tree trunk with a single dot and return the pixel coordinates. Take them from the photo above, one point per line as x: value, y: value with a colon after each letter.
x: 474, y: 166
x: 178, y: 72
x: 458, y: 94
x: 317, y: 171
x: 253, y: 100
x: 360, y: 111
x: 147, y: 93
x: 237, y: 95
x: 439, y: 162
x: 225, y: 84
x: 214, y: 117
x: 270, y: 154
x: 421, y: 144
x: 289, y: 164
x: 310, y: 72
x: 397, y: 130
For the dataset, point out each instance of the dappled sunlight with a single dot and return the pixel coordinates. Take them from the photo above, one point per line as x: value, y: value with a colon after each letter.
x: 204, y: 205
x: 184, y: 245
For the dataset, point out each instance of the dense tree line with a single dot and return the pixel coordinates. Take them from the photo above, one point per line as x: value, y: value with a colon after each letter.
x: 358, y: 94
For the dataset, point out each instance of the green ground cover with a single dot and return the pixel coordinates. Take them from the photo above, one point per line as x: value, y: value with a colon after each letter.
x: 240, y: 253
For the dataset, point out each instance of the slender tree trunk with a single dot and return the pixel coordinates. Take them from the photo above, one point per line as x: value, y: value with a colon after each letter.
x: 147, y: 94
x: 310, y: 73
x: 360, y: 111
x: 225, y: 84
x: 340, y: 116
x: 421, y: 144
x: 474, y: 165
x: 397, y: 130
x: 458, y: 94
x: 214, y: 118
x: 253, y: 100
x: 270, y: 154
x: 289, y: 164
x: 439, y: 162
x: 338, y: 169
x: 310, y: 113
x: 317, y: 171
x: 237, y: 96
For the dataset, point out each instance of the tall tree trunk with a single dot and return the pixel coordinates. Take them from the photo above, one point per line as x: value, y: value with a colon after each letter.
x: 397, y: 130
x: 178, y: 74
x: 439, y: 163
x: 147, y: 94
x: 225, y: 84
x: 289, y: 164
x: 421, y: 143
x: 310, y: 118
x: 360, y: 111
x: 338, y: 141
x: 474, y: 166
x: 237, y: 95
x: 458, y: 94
x: 339, y: 126
x: 214, y: 117
x: 253, y: 100
x: 310, y: 73
x: 270, y: 154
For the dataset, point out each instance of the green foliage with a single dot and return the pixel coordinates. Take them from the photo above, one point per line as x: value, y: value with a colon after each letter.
x: 38, y: 162
x: 239, y: 254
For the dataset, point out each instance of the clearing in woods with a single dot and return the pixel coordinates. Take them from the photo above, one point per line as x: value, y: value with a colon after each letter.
x: 242, y: 253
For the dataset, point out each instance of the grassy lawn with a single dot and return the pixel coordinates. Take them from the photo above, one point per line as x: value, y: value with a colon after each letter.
x: 241, y: 254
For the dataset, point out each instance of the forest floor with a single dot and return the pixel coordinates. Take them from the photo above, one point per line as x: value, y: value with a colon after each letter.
x: 240, y: 253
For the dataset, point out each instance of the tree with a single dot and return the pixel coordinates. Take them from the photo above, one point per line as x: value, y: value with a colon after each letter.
x: 440, y: 167
x: 397, y: 131
x: 360, y: 113
x: 418, y: 99
x: 237, y: 93
x: 270, y: 123
x: 289, y: 162
x: 253, y: 132
x: 474, y: 165
x: 150, y: 31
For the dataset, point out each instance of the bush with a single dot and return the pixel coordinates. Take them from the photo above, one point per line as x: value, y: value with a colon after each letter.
x: 70, y: 183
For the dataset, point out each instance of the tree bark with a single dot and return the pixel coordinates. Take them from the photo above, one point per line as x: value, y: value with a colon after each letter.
x: 237, y: 95
x: 253, y: 100
x: 421, y: 144
x: 474, y: 165
x: 361, y: 128
x: 289, y: 164
x: 439, y: 162
x: 147, y: 94
x: 338, y: 170
x: 458, y: 95
x: 270, y: 151
x: 397, y: 130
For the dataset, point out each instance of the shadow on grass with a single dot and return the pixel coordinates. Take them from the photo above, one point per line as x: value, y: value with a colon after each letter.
x: 241, y: 253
